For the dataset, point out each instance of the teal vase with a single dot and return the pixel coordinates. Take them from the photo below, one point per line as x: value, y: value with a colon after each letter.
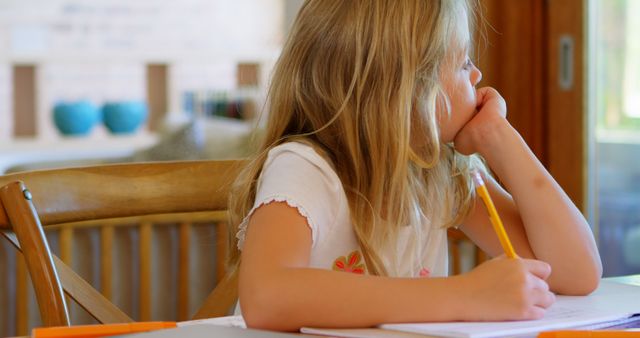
x: 75, y: 118
x: 124, y: 117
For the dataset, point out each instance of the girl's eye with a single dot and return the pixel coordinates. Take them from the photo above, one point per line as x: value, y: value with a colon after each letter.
x: 467, y: 64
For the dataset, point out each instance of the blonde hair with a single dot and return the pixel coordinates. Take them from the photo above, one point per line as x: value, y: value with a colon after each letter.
x: 359, y: 80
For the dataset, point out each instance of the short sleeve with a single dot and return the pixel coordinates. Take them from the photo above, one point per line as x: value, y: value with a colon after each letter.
x: 296, y: 174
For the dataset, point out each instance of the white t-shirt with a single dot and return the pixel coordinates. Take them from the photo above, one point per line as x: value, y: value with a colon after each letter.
x: 296, y: 174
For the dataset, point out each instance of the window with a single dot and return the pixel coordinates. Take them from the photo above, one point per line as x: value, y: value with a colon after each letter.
x: 615, y: 102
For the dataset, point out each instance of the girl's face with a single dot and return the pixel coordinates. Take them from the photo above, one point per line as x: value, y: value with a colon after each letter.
x: 459, y: 77
x: 459, y: 80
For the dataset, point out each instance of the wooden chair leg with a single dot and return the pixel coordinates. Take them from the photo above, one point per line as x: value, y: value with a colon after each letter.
x: 83, y: 293
x: 16, y: 201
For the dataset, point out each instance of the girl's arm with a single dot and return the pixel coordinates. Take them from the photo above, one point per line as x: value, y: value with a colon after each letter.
x: 279, y: 292
x: 539, y: 217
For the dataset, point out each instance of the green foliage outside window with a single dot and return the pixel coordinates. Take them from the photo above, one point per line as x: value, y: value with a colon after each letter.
x: 618, y: 64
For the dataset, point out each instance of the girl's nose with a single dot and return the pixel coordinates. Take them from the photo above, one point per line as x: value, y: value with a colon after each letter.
x: 476, y: 75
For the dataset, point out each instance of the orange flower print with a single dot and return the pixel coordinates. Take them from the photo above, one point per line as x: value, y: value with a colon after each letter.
x: 425, y: 272
x: 349, y: 263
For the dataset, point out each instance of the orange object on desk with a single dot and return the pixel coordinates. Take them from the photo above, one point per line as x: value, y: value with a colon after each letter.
x: 100, y: 330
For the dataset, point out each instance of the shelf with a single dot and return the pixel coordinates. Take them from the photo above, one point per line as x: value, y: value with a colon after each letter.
x: 26, y: 151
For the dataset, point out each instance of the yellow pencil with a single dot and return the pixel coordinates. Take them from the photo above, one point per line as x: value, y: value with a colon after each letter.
x: 481, y: 188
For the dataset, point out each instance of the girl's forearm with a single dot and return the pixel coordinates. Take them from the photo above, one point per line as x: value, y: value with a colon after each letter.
x: 557, y: 231
x: 281, y: 300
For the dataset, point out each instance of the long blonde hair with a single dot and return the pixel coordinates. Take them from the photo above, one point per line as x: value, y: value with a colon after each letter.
x: 359, y: 80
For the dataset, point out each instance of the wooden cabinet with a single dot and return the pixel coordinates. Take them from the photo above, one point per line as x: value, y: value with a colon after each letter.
x: 522, y: 50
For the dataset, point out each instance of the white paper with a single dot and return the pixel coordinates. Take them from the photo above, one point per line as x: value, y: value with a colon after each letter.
x: 228, y: 321
x: 610, y: 302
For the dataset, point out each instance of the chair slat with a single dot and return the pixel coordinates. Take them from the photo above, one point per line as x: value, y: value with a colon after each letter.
x: 480, y: 256
x: 454, y: 250
x: 66, y: 240
x: 22, y: 296
x: 87, y: 297
x: 74, y: 286
x: 145, y: 271
x: 221, y: 250
x: 183, y: 270
x: 106, y: 261
x: 66, y: 249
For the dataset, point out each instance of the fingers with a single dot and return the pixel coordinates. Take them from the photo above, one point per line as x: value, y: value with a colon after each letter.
x: 517, y: 287
x: 544, y: 299
x: 536, y: 287
x: 534, y: 313
x: 538, y: 284
x: 536, y: 299
x: 488, y: 96
x: 539, y: 269
x: 540, y: 291
x: 484, y: 94
x: 540, y: 295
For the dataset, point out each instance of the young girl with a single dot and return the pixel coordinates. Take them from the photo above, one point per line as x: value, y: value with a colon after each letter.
x: 342, y: 217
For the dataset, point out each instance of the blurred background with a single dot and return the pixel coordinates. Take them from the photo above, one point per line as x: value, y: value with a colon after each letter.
x: 615, y: 102
x: 105, y: 81
x: 107, y: 78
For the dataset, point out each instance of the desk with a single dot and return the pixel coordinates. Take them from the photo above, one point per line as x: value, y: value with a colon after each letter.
x: 207, y: 331
x: 242, y: 333
x: 631, y: 280
x: 198, y: 331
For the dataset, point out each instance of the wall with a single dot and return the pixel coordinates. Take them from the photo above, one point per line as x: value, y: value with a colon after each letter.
x: 98, y: 50
x: 290, y: 11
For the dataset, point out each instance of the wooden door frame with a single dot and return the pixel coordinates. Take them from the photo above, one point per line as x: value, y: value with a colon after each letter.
x: 567, y: 121
x: 520, y: 58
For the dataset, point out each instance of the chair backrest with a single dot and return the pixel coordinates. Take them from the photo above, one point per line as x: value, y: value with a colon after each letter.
x: 457, y: 243
x: 30, y: 201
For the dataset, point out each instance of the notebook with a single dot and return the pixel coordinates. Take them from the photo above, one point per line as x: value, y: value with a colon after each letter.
x: 612, y: 303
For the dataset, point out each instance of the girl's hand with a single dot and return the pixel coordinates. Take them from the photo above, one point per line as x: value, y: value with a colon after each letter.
x: 483, y: 127
x: 508, y: 289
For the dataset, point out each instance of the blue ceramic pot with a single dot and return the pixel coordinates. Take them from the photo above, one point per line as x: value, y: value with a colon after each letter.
x: 75, y: 118
x: 124, y: 117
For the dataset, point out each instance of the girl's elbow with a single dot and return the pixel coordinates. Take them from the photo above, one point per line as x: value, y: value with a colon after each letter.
x: 586, y: 282
x: 265, y: 319
x: 586, y: 286
x: 255, y: 310
x: 592, y: 280
x: 257, y: 319
x: 261, y: 309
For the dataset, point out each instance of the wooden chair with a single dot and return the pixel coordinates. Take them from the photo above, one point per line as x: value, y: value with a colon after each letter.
x: 30, y: 201
x: 457, y: 239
